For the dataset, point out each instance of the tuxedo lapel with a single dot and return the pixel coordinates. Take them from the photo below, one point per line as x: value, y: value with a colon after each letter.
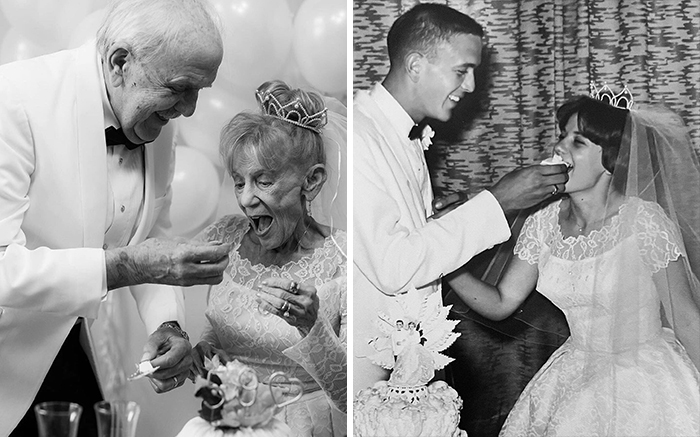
x: 92, y: 155
x: 399, y: 166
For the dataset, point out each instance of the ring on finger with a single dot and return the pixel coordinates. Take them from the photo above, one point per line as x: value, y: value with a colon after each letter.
x: 285, y: 306
x: 294, y: 288
x: 286, y: 314
x: 176, y: 382
x: 555, y: 191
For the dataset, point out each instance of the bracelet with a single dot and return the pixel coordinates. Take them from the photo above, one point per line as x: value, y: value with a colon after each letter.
x: 175, y: 326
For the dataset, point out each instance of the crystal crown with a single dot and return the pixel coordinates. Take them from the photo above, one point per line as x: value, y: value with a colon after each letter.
x: 292, y: 112
x: 605, y: 94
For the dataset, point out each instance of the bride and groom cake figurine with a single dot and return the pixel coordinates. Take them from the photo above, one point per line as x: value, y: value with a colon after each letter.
x: 414, y: 334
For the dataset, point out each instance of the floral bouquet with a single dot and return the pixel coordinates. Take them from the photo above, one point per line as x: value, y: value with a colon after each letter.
x: 233, y: 397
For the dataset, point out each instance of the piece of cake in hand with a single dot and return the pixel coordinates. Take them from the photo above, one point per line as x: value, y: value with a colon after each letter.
x: 556, y: 159
x: 236, y: 404
x: 415, y: 333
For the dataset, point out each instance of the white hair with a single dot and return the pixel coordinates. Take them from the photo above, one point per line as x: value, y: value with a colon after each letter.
x: 149, y: 27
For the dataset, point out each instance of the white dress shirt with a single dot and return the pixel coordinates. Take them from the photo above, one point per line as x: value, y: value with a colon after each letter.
x: 125, y: 183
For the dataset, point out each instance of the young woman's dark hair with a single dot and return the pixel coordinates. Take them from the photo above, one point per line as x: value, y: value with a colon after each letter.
x: 599, y: 122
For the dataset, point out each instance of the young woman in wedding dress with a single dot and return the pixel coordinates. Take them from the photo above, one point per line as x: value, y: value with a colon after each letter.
x: 619, y: 255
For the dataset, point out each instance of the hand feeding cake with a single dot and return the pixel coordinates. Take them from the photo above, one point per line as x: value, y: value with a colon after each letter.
x: 236, y: 404
x: 407, y: 405
x: 556, y: 160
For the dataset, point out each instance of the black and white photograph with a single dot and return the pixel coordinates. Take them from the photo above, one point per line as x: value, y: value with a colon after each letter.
x: 526, y: 210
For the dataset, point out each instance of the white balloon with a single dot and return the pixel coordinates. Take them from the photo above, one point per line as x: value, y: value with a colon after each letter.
x: 196, y: 190
x: 87, y: 29
x: 320, y: 43
x: 215, y: 108
x: 16, y: 47
x: 257, y: 40
x: 48, y: 23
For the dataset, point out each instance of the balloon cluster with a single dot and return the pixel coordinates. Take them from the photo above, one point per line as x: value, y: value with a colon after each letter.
x: 303, y: 42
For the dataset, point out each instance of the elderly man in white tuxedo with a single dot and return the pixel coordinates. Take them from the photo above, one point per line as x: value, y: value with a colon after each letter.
x: 398, y: 246
x: 84, y: 204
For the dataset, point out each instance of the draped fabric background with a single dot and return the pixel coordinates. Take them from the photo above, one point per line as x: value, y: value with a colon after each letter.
x: 536, y: 55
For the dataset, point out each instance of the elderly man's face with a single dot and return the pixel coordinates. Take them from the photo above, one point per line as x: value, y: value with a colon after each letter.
x: 146, y: 97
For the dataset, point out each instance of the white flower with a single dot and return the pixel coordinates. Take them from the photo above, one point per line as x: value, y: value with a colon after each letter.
x: 426, y: 137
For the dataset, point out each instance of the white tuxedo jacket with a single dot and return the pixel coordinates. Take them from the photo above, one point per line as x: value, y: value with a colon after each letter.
x: 395, y: 248
x: 53, y: 191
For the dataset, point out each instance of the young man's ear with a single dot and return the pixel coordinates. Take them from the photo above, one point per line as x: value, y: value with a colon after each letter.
x: 415, y: 64
x: 314, y: 180
x: 116, y: 64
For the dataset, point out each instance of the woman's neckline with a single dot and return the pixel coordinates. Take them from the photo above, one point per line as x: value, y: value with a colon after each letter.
x: 310, y: 256
x: 611, y: 220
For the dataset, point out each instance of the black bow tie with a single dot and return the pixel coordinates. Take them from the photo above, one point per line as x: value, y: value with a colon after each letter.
x: 415, y: 132
x: 116, y: 137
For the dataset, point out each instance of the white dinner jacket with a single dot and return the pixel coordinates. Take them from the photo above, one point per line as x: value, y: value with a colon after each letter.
x: 53, y: 192
x: 396, y: 249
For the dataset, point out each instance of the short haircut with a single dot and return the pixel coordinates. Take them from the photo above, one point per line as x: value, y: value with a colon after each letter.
x: 600, y: 122
x: 423, y: 28
x: 151, y: 27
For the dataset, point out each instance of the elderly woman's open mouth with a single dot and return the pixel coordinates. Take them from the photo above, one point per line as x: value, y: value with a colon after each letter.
x: 261, y: 223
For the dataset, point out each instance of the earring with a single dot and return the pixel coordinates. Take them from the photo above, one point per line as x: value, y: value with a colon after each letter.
x: 308, y: 208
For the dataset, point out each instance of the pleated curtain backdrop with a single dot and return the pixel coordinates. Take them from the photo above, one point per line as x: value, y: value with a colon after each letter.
x: 537, y: 54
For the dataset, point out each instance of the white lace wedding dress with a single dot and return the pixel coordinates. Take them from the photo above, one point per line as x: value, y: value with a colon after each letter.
x: 619, y: 374
x: 267, y: 343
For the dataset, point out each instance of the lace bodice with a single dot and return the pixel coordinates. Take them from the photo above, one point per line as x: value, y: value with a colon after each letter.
x: 603, y: 281
x: 265, y: 341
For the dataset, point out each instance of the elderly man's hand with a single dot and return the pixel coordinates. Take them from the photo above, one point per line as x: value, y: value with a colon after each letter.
x: 526, y: 187
x: 161, y: 261
x: 168, y: 349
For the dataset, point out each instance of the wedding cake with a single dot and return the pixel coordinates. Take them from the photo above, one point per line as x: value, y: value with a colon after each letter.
x: 407, y: 405
x: 236, y: 404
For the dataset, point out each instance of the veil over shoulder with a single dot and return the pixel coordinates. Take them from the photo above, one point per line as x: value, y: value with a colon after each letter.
x: 657, y: 163
x: 330, y: 206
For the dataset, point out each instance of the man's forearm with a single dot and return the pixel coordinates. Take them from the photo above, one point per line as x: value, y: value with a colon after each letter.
x: 121, y: 269
x: 125, y: 267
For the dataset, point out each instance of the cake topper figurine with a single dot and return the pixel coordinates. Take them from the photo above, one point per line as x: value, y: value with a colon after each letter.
x: 412, y: 336
x: 415, y: 332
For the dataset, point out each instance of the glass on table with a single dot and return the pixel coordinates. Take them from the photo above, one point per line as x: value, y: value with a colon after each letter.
x: 58, y: 419
x: 117, y: 418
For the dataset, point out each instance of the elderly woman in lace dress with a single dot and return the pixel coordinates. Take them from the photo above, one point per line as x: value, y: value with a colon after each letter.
x: 282, y: 303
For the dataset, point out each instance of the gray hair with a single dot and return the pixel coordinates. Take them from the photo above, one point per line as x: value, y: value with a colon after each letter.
x: 273, y: 142
x: 149, y: 27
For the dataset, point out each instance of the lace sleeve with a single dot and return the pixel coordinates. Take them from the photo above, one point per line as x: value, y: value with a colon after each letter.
x: 209, y: 335
x: 529, y: 242
x: 657, y: 236
x: 322, y: 353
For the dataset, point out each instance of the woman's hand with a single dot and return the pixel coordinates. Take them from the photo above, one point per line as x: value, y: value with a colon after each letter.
x: 296, y: 303
x: 199, y: 352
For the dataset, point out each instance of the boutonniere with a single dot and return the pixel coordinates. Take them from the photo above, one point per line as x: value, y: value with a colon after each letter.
x: 426, y: 137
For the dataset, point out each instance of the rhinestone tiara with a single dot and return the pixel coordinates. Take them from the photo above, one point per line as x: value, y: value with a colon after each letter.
x: 292, y: 112
x: 605, y: 94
